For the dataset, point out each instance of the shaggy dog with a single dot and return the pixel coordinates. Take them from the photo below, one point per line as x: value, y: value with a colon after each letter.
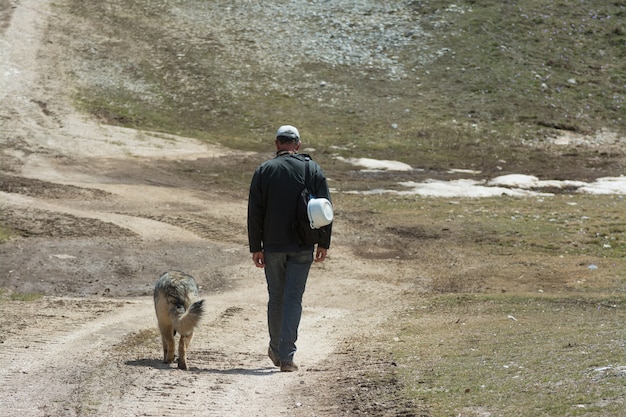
x: 177, y: 311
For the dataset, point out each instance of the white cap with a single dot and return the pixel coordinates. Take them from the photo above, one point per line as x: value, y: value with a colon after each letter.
x: 288, y: 131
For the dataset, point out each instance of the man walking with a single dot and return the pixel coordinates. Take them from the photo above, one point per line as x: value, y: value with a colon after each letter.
x: 274, y: 243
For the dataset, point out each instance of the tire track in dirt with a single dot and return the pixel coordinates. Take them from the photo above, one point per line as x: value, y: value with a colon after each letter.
x: 106, y: 359
x: 229, y: 371
x: 149, y: 230
x: 40, y: 368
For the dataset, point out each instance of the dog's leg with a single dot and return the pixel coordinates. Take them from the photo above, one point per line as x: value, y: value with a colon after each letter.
x: 169, y: 344
x: 182, y: 350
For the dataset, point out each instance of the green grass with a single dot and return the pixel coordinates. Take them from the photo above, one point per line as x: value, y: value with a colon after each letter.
x: 5, y: 294
x: 5, y: 233
x: 515, y: 62
x: 471, y: 355
x: 558, y: 225
x: 563, y: 225
x: 25, y: 296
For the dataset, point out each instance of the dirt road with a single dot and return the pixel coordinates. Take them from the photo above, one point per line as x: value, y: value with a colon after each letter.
x: 103, y: 210
x: 101, y: 357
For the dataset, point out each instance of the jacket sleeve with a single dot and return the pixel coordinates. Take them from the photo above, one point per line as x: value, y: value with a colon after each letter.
x: 256, y: 213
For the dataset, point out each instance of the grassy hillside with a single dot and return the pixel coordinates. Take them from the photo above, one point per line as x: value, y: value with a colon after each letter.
x: 426, y: 82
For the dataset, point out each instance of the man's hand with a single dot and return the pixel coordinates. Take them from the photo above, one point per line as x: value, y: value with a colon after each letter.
x: 320, y: 254
x: 259, y: 259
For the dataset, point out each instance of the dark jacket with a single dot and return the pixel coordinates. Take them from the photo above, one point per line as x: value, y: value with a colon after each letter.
x: 274, y: 191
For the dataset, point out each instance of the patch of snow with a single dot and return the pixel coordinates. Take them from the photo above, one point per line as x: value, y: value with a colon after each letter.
x: 516, y: 185
x: 606, y: 185
x: 530, y: 181
x: 463, y: 171
x: 376, y: 164
x: 461, y: 188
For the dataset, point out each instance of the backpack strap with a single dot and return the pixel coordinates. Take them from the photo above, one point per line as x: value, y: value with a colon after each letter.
x: 307, y: 175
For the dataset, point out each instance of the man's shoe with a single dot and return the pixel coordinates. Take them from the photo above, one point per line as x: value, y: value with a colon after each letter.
x: 273, y: 356
x: 288, y: 367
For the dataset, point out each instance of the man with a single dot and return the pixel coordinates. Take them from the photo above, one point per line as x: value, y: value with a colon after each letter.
x: 274, y: 244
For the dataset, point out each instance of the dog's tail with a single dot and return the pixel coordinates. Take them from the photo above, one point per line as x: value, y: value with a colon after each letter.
x: 186, y: 321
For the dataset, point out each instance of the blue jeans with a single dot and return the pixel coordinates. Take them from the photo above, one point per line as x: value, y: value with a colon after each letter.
x: 286, y: 274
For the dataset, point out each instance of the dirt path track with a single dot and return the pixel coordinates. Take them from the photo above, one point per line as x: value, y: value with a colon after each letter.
x: 101, y: 357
